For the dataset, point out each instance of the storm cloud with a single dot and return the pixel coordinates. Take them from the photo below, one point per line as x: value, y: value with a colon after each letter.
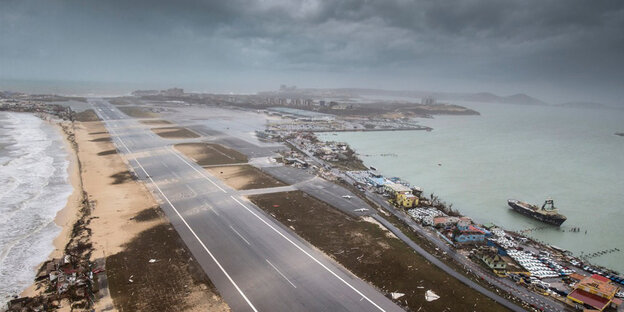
x: 559, y: 50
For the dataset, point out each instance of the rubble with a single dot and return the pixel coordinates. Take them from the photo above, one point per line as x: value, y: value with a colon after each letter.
x: 396, y: 295
x: 431, y: 296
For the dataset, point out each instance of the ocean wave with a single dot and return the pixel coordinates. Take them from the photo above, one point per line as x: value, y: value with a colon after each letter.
x: 35, y: 187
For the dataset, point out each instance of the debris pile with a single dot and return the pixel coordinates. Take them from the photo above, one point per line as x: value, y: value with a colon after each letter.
x: 71, y: 279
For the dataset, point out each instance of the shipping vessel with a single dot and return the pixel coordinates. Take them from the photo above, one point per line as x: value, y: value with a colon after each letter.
x: 547, y: 213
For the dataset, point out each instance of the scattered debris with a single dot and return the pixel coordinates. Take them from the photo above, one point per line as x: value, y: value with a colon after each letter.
x: 431, y: 296
x: 396, y: 295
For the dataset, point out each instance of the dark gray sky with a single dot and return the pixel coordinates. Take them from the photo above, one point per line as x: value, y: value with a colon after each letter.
x: 557, y: 50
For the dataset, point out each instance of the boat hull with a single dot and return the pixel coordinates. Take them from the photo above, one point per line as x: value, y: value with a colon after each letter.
x: 556, y: 220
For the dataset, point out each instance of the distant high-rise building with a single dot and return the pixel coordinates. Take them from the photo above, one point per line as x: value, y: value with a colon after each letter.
x: 145, y: 92
x: 285, y: 88
x: 428, y: 101
x: 173, y: 92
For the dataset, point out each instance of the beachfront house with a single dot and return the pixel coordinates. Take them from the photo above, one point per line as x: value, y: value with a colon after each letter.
x: 376, y: 181
x: 402, y: 195
x: 406, y: 200
x: 470, y: 235
x: 494, y: 262
x: 395, y: 188
x: 443, y: 221
x: 463, y: 225
x: 594, y: 292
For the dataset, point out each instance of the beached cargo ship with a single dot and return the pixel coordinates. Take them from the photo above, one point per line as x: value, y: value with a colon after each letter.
x: 547, y: 213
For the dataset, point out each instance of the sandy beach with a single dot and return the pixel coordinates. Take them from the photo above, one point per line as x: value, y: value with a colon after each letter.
x: 67, y: 216
x: 119, y: 203
x: 120, y: 232
x: 115, y: 200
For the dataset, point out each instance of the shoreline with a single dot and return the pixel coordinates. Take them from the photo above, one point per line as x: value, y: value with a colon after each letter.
x: 520, y: 233
x: 111, y: 226
x: 556, y: 265
x: 68, y: 215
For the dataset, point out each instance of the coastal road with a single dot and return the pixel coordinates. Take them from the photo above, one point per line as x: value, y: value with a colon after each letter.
x: 256, y: 263
x: 530, y: 298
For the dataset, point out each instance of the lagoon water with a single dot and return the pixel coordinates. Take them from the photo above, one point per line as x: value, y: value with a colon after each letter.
x: 528, y: 153
x: 34, y: 186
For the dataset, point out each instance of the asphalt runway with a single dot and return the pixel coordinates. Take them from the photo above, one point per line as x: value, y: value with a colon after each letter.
x: 321, y: 189
x: 256, y: 263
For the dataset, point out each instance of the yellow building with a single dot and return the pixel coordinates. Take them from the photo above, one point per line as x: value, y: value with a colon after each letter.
x: 402, y: 195
x: 406, y: 200
x: 395, y: 188
x: 593, y: 291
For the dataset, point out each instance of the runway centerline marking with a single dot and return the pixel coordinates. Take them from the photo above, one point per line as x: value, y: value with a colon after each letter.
x: 213, y: 209
x: 280, y: 273
x: 309, y: 255
x: 257, y: 216
x: 188, y: 226
x: 239, y: 235
x: 192, y: 190
x: 200, y: 173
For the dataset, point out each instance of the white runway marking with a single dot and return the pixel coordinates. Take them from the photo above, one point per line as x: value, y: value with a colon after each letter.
x: 200, y: 173
x: 309, y: 255
x: 239, y: 235
x: 280, y: 273
x: 189, y: 227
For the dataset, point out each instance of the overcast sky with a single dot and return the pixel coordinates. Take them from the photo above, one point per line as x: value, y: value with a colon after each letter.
x: 557, y: 50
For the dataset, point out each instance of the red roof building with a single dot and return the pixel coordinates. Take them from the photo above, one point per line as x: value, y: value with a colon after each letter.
x: 594, y: 291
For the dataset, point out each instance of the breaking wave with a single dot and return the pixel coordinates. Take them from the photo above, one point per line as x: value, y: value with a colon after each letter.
x: 34, y: 186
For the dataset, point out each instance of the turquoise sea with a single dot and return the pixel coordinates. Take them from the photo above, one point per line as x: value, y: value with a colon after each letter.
x: 528, y: 153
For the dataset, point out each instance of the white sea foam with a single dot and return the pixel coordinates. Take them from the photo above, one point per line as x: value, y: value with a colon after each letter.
x: 34, y: 186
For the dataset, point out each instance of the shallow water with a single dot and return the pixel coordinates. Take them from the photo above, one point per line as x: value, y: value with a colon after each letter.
x: 34, y: 186
x: 522, y: 152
